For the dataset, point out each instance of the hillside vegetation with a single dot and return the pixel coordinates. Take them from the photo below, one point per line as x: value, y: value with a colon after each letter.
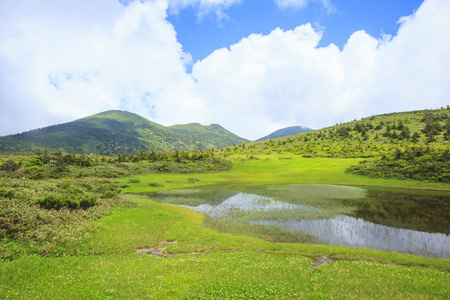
x: 215, y: 134
x: 88, y: 226
x: 412, y: 145
x: 114, y: 132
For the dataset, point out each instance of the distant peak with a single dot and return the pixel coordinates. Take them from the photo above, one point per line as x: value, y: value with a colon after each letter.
x: 285, y: 131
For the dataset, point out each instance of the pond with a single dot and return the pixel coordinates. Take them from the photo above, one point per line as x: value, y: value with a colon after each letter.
x: 349, y: 231
x: 407, y: 221
x: 248, y: 203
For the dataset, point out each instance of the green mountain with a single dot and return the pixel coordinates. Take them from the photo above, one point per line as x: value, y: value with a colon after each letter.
x: 115, y: 131
x: 214, y: 134
x: 285, y: 132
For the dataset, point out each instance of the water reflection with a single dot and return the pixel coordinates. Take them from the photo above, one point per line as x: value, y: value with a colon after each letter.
x: 349, y: 231
x: 243, y: 202
x: 419, y: 210
x: 381, y: 218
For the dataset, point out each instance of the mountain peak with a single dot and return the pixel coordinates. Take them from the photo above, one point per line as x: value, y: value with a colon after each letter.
x: 117, y: 131
x: 285, y: 131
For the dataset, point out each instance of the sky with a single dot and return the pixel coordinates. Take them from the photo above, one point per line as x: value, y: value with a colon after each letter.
x: 252, y: 66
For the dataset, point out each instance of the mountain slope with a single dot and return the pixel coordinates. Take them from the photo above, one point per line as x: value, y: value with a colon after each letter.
x: 284, y: 132
x: 366, y: 137
x: 405, y: 145
x: 214, y: 133
x: 113, y: 132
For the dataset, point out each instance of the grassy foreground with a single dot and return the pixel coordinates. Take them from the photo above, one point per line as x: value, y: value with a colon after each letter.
x: 199, y: 263
x: 191, y: 261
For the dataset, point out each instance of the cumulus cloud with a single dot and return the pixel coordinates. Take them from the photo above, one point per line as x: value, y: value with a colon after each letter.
x: 267, y: 79
x: 284, y: 78
x: 61, y: 60
x: 64, y: 60
x: 413, y: 71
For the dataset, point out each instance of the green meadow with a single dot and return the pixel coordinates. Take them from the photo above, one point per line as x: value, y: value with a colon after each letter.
x: 270, y: 169
x: 142, y: 249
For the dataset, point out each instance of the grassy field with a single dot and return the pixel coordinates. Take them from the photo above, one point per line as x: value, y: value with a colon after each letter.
x: 200, y: 263
x: 183, y: 259
x: 271, y: 169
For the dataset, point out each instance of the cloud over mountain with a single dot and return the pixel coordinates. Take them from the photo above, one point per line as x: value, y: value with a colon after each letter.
x: 63, y: 60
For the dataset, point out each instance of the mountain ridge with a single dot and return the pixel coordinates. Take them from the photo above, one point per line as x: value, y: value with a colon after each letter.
x: 115, y: 131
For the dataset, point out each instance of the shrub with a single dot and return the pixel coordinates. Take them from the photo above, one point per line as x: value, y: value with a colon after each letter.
x: 59, y: 201
x: 209, y: 167
x: 47, y: 217
x: 193, y: 180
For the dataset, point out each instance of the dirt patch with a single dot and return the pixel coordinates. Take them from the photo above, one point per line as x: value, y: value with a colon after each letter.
x: 321, y: 261
x: 156, y: 251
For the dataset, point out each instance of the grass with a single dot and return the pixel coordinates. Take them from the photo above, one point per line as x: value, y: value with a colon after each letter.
x: 198, y: 262
x: 209, y: 264
x: 240, y: 275
x: 275, y: 169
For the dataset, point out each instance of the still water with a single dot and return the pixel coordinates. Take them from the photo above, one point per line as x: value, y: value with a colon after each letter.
x: 354, y: 232
x: 406, y: 221
x: 243, y: 202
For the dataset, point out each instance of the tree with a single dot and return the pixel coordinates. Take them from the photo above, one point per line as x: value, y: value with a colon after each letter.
x: 415, y: 137
x: 405, y: 134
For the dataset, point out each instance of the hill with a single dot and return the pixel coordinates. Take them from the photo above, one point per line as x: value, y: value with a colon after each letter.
x: 405, y: 145
x: 285, y: 132
x: 214, y: 133
x: 115, y: 131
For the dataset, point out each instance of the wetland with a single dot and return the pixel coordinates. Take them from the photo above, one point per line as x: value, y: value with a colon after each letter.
x: 389, y: 219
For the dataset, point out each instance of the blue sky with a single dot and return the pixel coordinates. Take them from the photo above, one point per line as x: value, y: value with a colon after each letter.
x: 200, y: 36
x: 251, y: 66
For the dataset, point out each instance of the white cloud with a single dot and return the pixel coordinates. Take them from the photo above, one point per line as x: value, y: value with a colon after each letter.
x: 300, y: 4
x: 414, y: 64
x: 203, y: 6
x: 283, y: 78
x: 64, y: 60
x: 266, y: 81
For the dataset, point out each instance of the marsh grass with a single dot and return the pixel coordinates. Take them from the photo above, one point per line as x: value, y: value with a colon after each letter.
x: 289, y: 202
x: 263, y: 213
x: 189, y: 196
x: 275, y: 234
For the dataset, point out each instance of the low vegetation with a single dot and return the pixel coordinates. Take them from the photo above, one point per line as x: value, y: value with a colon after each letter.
x: 48, y: 201
x: 45, y: 164
x: 408, y: 145
x: 72, y: 225
x: 45, y: 217
x: 409, y: 162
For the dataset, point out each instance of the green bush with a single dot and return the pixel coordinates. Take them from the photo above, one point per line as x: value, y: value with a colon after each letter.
x: 420, y: 163
x: 68, y: 201
x: 46, y: 217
